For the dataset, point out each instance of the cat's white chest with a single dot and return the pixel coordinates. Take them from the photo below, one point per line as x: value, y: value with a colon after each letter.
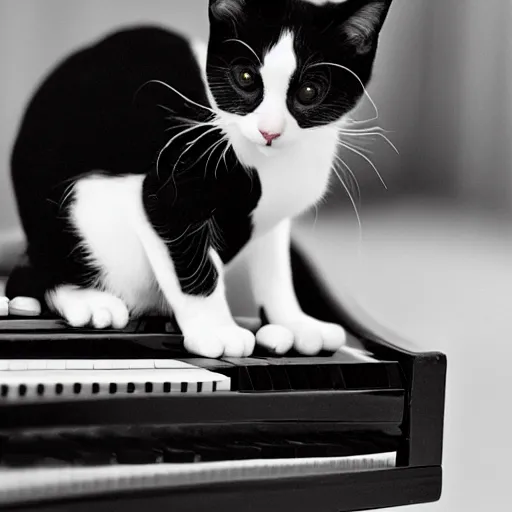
x: 293, y: 181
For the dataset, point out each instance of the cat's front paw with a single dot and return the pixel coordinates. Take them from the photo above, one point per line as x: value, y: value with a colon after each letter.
x: 88, y: 307
x: 219, y: 341
x: 307, y: 335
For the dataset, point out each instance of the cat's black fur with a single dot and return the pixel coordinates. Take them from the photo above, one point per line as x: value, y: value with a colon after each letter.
x: 101, y: 111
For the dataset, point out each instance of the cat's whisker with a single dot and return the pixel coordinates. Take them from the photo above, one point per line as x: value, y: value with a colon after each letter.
x: 342, y: 125
x: 176, y: 127
x: 176, y: 92
x: 362, y: 155
x: 167, y: 109
x: 222, y: 156
x: 190, y: 145
x: 211, y: 149
x: 66, y: 195
x: 346, y: 166
x: 247, y: 46
x: 184, y: 132
x: 352, y: 201
x: 358, y: 147
x: 376, y: 134
x: 221, y: 141
x: 333, y: 64
x: 186, y: 120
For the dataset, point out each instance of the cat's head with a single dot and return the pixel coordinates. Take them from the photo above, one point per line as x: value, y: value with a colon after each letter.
x: 278, y: 68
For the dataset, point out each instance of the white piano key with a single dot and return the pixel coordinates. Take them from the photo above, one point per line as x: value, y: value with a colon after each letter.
x: 100, y: 364
x: 36, y: 364
x: 79, y: 364
x: 24, y: 306
x: 141, y: 364
x: 4, y: 365
x: 192, y: 387
x: 172, y: 364
x: 207, y: 387
x: 104, y: 365
x: 175, y: 387
x: 121, y: 377
x: 18, y: 365
x: 119, y: 364
x: 55, y: 364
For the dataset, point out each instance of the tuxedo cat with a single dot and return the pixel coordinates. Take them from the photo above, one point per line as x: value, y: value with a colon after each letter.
x: 146, y: 163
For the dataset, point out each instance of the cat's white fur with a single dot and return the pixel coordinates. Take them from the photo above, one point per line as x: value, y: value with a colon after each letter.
x: 137, y: 270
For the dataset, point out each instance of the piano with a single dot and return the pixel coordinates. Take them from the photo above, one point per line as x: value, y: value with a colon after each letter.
x: 123, y: 420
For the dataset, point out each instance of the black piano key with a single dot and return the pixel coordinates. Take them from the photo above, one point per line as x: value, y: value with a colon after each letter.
x: 305, y: 450
x: 133, y: 450
x: 177, y: 455
x: 211, y: 452
x: 318, y: 377
x: 155, y: 325
x: 299, y: 379
x: 335, y: 374
x: 19, y: 454
x: 176, y: 449
x: 132, y: 455
x: 92, y: 449
x: 242, y: 380
x: 35, y: 452
x: 279, y: 378
x: 353, y: 445
x: 260, y: 378
x: 240, y: 450
x: 273, y: 449
x: 366, y: 376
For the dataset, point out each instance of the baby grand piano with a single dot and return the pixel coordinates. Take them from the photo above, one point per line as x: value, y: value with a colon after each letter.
x: 126, y: 420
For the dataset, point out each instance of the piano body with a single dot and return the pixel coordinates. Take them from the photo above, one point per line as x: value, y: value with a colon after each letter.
x: 120, y: 421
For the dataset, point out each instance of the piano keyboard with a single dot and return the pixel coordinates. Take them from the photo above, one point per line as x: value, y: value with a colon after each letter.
x: 77, y: 463
x: 23, y: 486
x: 51, y: 380
x: 44, y: 380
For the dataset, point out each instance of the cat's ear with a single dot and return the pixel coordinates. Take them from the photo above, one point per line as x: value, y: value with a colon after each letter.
x: 365, y: 21
x: 227, y: 9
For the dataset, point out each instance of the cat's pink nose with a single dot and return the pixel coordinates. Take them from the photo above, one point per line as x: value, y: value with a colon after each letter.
x: 270, y: 137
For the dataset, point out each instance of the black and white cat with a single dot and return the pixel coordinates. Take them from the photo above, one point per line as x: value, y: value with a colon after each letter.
x: 146, y: 163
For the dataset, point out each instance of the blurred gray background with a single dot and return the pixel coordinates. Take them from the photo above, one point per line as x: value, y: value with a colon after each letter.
x: 434, y: 258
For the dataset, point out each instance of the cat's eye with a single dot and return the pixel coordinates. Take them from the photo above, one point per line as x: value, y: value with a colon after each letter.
x: 308, y: 93
x: 245, y: 78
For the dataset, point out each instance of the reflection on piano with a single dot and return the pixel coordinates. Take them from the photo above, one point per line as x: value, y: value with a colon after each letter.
x: 121, y: 420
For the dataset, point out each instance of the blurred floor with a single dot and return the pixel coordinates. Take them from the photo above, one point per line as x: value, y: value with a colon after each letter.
x: 443, y: 279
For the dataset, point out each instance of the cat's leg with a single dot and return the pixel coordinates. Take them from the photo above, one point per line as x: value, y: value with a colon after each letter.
x: 193, y: 285
x: 271, y: 277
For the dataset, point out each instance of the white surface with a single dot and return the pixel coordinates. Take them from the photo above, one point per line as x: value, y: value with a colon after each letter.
x: 442, y: 279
